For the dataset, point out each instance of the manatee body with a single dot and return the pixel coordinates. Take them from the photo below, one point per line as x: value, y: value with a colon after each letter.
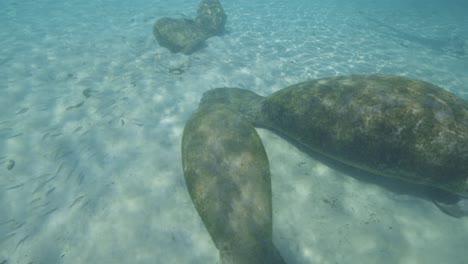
x: 228, y: 177
x: 387, y: 125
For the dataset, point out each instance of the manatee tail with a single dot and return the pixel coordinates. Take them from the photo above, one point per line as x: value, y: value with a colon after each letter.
x: 265, y: 254
x: 248, y: 103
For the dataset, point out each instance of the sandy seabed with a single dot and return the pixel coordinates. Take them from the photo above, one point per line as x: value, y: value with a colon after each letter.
x: 92, y: 110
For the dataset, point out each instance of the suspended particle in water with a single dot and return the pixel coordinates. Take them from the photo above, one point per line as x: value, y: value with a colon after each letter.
x: 11, y: 164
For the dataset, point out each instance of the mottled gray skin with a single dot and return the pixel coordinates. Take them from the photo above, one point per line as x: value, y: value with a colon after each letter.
x: 179, y: 35
x: 189, y: 35
x: 211, y: 17
x: 387, y: 125
x: 228, y: 177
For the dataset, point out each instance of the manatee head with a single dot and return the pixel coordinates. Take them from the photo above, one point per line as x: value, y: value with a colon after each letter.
x: 248, y: 103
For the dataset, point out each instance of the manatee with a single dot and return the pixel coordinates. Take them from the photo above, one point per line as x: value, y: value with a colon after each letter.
x: 386, y: 125
x: 227, y: 175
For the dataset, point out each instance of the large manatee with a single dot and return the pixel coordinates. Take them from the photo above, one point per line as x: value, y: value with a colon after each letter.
x: 387, y: 125
x: 228, y: 177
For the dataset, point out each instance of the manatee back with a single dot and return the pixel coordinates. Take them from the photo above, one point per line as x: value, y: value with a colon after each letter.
x: 388, y: 125
x: 228, y: 177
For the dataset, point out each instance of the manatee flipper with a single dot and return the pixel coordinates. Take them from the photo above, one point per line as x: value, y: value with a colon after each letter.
x: 458, y: 209
x: 227, y: 175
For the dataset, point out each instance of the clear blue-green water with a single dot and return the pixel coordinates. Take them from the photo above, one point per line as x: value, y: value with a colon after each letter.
x: 91, y: 120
